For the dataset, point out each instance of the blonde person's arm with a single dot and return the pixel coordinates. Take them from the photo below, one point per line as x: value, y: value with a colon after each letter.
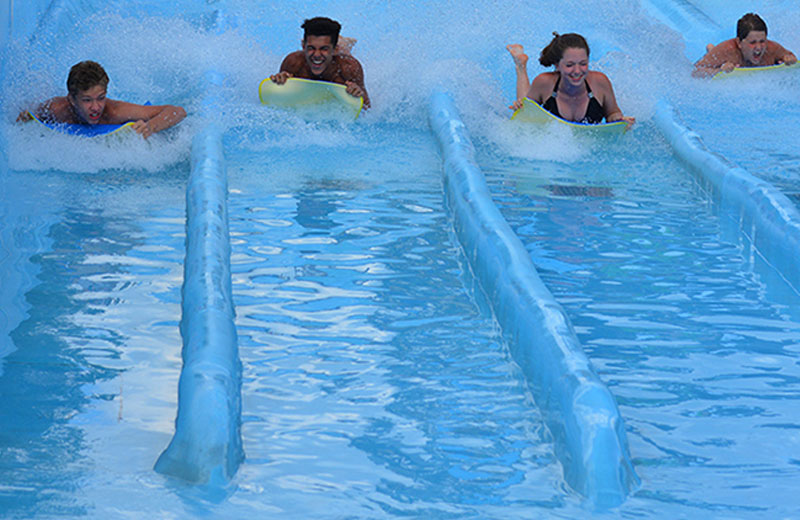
x: 148, y: 119
x: 169, y: 116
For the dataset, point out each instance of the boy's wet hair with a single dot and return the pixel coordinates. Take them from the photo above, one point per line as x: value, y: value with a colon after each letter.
x: 554, y: 51
x: 321, y: 26
x: 747, y: 23
x: 85, y: 75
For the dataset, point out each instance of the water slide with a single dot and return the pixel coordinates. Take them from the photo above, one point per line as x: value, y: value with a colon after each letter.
x: 318, y: 343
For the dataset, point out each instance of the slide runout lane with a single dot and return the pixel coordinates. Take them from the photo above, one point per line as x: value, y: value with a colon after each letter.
x: 579, y: 410
x: 762, y: 213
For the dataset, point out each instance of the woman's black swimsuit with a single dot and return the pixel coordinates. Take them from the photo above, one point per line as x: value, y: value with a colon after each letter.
x: 594, y: 112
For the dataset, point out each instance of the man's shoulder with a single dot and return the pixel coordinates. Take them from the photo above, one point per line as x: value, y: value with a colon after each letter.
x: 116, y: 111
x: 293, y: 61
x: 348, y: 62
x: 727, y: 45
x: 346, y: 58
x: 57, y: 103
x: 726, y: 49
x: 723, y: 52
x: 347, y: 68
x: 775, y: 49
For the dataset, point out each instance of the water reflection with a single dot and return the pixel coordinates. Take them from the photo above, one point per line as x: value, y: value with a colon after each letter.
x: 696, y: 343
x: 76, y: 242
x: 373, y: 380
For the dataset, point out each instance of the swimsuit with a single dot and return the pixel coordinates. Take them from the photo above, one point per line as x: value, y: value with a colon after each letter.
x: 594, y: 111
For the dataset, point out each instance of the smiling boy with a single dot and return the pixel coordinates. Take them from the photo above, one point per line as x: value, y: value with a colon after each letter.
x: 750, y: 48
x: 86, y: 104
x: 320, y: 59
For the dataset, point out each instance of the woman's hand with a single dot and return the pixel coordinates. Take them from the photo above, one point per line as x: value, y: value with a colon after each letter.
x: 617, y: 116
x: 629, y: 121
x: 516, y: 105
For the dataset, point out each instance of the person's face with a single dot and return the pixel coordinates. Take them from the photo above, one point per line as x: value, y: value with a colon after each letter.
x: 573, y: 65
x: 318, y: 52
x: 89, y: 104
x: 753, y: 47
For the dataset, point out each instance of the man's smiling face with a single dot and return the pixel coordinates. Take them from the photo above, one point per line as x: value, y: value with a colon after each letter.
x: 318, y: 51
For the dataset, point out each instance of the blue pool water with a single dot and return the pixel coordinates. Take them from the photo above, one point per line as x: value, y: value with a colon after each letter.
x: 373, y: 384
x: 375, y: 381
x: 700, y: 350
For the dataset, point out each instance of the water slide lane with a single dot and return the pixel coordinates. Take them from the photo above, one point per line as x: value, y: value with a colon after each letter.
x: 769, y: 220
x: 763, y: 213
x: 579, y: 410
x: 693, y: 24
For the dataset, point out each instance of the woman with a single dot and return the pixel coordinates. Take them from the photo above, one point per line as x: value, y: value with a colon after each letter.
x: 572, y: 91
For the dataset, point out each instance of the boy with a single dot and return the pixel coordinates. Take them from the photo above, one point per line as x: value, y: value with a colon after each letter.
x: 750, y: 48
x: 86, y: 104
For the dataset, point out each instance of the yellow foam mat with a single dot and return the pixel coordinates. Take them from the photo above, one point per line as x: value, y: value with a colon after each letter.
x: 746, y: 71
x: 299, y: 91
x: 532, y: 112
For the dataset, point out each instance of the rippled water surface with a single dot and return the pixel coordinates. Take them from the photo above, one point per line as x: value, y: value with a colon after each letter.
x: 701, y: 351
x: 373, y: 383
x: 91, y: 279
x: 376, y: 384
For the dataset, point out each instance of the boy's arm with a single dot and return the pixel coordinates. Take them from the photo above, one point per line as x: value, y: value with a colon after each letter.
x: 148, y: 119
x: 720, y: 58
x: 782, y: 55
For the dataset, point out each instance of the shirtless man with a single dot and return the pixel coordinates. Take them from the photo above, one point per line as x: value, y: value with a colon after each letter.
x: 750, y: 48
x: 321, y: 59
x: 86, y: 104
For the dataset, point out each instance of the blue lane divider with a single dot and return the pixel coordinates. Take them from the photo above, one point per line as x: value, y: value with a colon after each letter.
x: 579, y: 411
x: 696, y: 28
x: 769, y: 220
x: 207, y: 445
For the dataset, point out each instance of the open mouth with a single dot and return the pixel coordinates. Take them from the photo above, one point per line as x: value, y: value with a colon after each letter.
x: 317, y: 64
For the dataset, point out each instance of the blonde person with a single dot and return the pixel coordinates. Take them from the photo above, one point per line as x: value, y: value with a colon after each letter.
x: 86, y: 104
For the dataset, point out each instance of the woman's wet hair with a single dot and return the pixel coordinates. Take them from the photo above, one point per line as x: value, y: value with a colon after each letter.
x: 85, y: 75
x: 554, y: 51
x: 747, y: 23
x: 321, y: 26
